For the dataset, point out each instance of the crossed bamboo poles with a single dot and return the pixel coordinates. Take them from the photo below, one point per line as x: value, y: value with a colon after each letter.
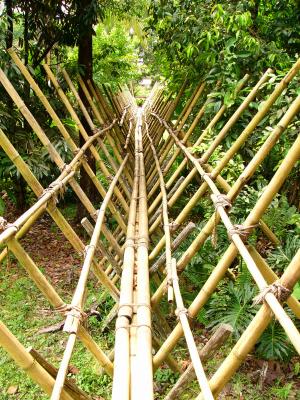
x: 135, y: 138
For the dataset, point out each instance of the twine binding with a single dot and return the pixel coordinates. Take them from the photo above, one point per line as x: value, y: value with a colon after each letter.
x: 281, y: 293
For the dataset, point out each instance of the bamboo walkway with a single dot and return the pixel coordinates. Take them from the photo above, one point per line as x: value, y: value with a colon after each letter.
x: 133, y: 239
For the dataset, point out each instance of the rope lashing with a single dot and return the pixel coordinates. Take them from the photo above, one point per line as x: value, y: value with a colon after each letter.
x: 53, y: 188
x: 280, y: 292
x: 241, y: 230
x: 4, y: 224
x: 87, y: 248
x: 173, y: 226
x: 181, y: 311
x: 132, y: 305
x: 221, y: 200
x: 74, y: 311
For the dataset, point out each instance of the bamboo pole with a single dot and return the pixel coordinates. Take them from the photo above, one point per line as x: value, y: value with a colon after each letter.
x: 52, y: 210
x: 93, y: 128
x: 252, y: 332
x: 50, y: 148
x: 25, y: 361
x: 233, y: 149
x: 78, y: 123
x: 214, y: 343
x: 182, y: 165
x: 142, y: 387
x: 230, y: 254
x: 74, y: 315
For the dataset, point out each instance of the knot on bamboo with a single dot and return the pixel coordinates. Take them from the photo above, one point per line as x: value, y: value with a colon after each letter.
x: 3, y: 224
x: 280, y: 292
x: 87, y: 248
x: 73, y: 311
x: 208, y: 174
x: 173, y: 226
x: 221, y: 200
x: 181, y: 311
x: 241, y: 230
x: 124, y: 115
x: 53, y: 188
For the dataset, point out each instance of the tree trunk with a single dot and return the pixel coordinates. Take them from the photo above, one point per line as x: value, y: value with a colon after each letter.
x: 85, y: 64
x: 10, y: 24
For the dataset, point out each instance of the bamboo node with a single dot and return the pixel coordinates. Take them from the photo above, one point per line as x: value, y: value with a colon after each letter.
x: 124, y: 115
x: 281, y: 293
x: 63, y: 167
x: 208, y: 174
x: 241, y: 230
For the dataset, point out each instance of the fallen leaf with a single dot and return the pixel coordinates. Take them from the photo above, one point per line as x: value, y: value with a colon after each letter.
x: 12, y: 390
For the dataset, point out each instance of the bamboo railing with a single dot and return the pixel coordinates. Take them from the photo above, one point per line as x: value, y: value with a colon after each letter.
x: 135, y: 149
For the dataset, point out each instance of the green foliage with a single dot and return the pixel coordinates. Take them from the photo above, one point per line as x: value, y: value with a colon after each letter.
x: 274, y: 344
x: 281, y: 256
x: 232, y: 304
x: 164, y: 375
x: 203, y: 37
x: 282, y: 218
x: 115, y: 55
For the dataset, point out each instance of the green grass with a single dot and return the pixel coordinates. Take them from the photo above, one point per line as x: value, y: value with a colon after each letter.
x: 24, y: 311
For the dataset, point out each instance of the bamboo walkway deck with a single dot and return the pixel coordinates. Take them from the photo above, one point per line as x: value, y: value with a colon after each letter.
x: 135, y: 149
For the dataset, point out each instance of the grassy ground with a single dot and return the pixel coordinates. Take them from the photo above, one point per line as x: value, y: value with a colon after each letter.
x: 25, y: 312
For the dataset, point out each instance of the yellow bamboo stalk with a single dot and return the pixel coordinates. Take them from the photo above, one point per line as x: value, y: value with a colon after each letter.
x: 229, y: 255
x: 25, y: 361
x: 252, y: 333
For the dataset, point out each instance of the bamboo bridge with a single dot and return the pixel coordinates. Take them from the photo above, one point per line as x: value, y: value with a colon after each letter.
x: 133, y: 239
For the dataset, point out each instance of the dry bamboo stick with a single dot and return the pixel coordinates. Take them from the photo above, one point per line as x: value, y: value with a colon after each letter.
x: 54, y: 299
x: 224, y: 131
x: 142, y: 386
x: 182, y: 315
x: 74, y: 316
x: 192, y: 173
x: 247, y: 173
x: 52, y: 210
x: 44, y: 139
x: 70, y: 386
x: 121, y: 382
